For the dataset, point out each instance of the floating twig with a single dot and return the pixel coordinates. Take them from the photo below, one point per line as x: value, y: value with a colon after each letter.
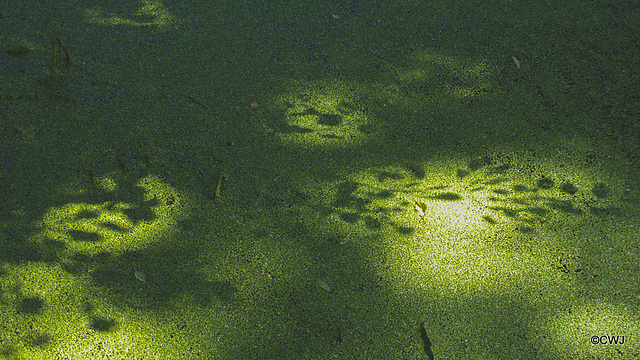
x: 218, y: 192
x: 57, y: 46
x: 196, y: 101
x: 516, y: 60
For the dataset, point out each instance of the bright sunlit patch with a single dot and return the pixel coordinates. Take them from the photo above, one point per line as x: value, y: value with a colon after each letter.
x: 105, y: 183
x: 435, y: 263
x: 113, y: 226
x: 58, y: 311
x: 320, y: 114
x: 463, y: 214
x: 471, y: 233
x: 151, y: 13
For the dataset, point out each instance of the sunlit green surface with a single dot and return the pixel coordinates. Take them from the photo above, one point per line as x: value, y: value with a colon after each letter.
x: 403, y: 170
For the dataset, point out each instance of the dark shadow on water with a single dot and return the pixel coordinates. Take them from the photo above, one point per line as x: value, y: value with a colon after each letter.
x: 103, y: 324
x: 447, y: 196
x: 31, y: 305
x: 167, y: 277
x: 84, y: 236
x: 37, y: 339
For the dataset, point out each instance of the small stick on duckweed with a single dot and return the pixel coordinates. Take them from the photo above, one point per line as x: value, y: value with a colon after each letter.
x: 217, y: 194
x: 56, y: 46
x: 196, y: 101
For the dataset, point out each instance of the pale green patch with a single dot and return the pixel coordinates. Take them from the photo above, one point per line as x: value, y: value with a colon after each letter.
x: 327, y: 113
x: 106, y: 227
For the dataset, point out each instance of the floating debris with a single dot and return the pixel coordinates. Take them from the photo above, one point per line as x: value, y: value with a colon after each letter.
x: 425, y: 341
x: 268, y: 274
x: 218, y: 194
x: 56, y: 47
x: 256, y: 106
x: 323, y: 284
x: 420, y: 207
x: 335, y: 16
x: 140, y: 276
x: 516, y: 60
x: 196, y: 101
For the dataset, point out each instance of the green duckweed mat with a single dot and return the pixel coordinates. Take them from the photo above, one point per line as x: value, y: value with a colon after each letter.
x: 315, y: 180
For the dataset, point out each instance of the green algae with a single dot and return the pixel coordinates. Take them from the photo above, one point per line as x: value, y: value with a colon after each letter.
x: 524, y: 244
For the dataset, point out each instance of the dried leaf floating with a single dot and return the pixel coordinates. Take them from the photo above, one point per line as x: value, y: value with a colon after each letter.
x: 420, y: 207
x: 323, y: 284
x: 140, y: 276
x: 255, y: 106
x: 516, y: 60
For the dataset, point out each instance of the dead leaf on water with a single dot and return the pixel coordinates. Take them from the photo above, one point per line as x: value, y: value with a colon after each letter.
x: 420, y: 207
x: 323, y: 284
x: 140, y: 276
